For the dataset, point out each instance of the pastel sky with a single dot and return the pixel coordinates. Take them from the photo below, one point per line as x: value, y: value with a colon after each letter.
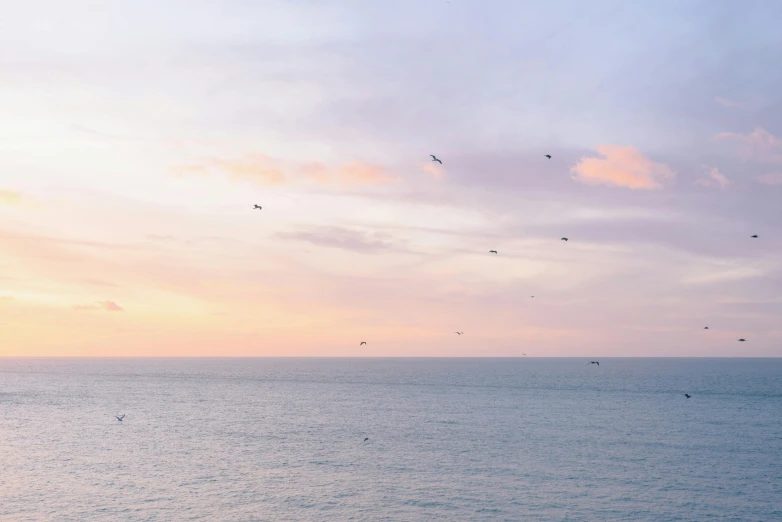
x: 136, y: 137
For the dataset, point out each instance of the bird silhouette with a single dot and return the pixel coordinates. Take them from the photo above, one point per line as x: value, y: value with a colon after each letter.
x: 532, y: 297
x: 459, y: 333
x: 366, y: 439
x: 492, y: 251
x: 258, y: 207
x: 687, y: 395
x: 742, y: 340
x: 120, y: 418
x: 705, y: 327
x: 548, y: 156
x: 754, y: 235
x: 434, y: 158
x: 595, y: 362
x: 563, y: 239
x: 363, y: 342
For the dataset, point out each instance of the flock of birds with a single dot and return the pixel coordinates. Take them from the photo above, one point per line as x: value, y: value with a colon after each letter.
x: 437, y: 160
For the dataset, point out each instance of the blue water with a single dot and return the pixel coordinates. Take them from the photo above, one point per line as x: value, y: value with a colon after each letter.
x: 449, y: 439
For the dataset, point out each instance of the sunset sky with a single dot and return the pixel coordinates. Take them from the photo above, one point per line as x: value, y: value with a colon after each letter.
x: 136, y: 137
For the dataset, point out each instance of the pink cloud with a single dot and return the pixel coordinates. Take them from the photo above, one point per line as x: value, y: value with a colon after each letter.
x: 728, y: 104
x: 435, y: 170
x: 772, y: 178
x: 109, y: 306
x: 714, y: 178
x: 10, y: 197
x: 354, y: 173
x: 758, y: 145
x: 257, y: 168
x: 621, y: 167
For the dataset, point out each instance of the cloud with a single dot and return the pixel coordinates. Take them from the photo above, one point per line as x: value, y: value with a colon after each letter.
x: 354, y: 173
x: 435, y: 170
x: 342, y: 238
x: 772, y: 178
x: 728, y: 104
x: 6, y: 298
x: 109, y: 306
x: 621, y: 167
x: 758, y: 145
x: 10, y: 197
x: 714, y: 178
x: 256, y: 168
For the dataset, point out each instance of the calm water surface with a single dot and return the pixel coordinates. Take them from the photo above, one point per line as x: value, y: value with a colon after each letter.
x: 449, y: 439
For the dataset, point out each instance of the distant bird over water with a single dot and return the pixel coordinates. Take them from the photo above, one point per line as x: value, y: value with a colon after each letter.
x: 595, y: 362
x: 687, y: 395
x: 258, y: 207
x: 459, y: 333
x: 754, y: 235
x: 434, y: 158
x: 742, y: 340
x: 563, y: 239
x: 120, y: 418
x: 548, y: 156
x: 363, y: 342
x: 705, y: 327
x: 492, y: 251
x: 366, y: 439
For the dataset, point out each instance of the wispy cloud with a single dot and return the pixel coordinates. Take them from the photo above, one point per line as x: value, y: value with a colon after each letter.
x: 342, y: 238
x: 714, y: 178
x: 621, y: 167
x: 758, y: 145
x: 772, y: 178
x: 108, y: 306
x: 354, y: 173
x: 729, y: 104
x: 10, y: 197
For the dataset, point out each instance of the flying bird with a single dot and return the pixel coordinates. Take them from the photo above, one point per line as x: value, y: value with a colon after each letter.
x: 705, y: 327
x: 532, y: 297
x: 687, y: 395
x: 434, y: 158
x: 258, y: 207
x: 754, y: 235
x: 363, y: 342
x: 492, y: 251
x: 563, y: 239
x: 595, y: 362
x: 742, y: 340
x: 120, y: 418
x: 459, y: 333
x: 548, y: 156
x: 366, y: 439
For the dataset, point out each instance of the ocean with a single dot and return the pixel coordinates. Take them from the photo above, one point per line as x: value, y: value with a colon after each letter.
x: 533, y: 439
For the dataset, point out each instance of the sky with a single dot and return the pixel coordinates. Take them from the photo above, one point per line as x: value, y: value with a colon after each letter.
x: 136, y: 137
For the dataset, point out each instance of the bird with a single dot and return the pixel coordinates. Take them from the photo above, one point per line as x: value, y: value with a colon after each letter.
x: 548, y: 156
x: 363, y: 342
x: 258, y: 207
x: 366, y: 439
x: 742, y: 340
x: 492, y: 251
x: 563, y: 239
x: 687, y: 395
x: 459, y: 333
x: 705, y: 327
x: 120, y: 418
x: 754, y: 235
x: 434, y: 158
x: 595, y: 362
x: 532, y: 297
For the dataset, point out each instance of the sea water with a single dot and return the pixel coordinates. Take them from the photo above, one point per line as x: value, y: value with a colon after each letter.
x: 449, y: 439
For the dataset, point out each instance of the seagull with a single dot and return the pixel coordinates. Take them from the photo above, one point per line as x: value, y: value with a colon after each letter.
x: 120, y: 418
x: 459, y: 333
x: 532, y: 297
x: 548, y: 156
x: 492, y: 251
x: 687, y: 395
x: 742, y: 340
x: 258, y: 207
x: 705, y: 327
x: 563, y: 239
x: 754, y: 235
x: 363, y: 342
x: 595, y: 362
x: 434, y: 158
x: 366, y: 439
